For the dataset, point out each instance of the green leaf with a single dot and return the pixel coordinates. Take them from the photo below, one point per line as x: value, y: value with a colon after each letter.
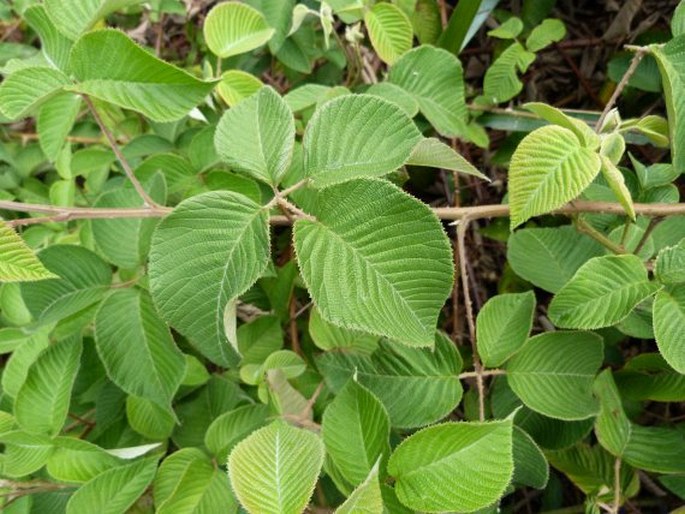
x: 232, y: 427
x: 456, y: 34
x: 275, y: 469
x: 648, y: 377
x: 111, y: 67
x: 553, y: 374
x: 55, y: 46
x: 671, y: 60
x: 27, y: 89
x: 678, y: 20
x: 150, y: 419
x: 259, y: 338
x: 548, y: 32
x: 84, y: 280
x: 395, y: 94
x: 548, y: 169
x: 216, y: 245
x: 258, y: 136
x: 393, y: 272
x: 475, y: 459
x: 669, y: 325
x: 136, y: 347
x: 602, y: 292
x: 426, y: 22
x: 20, y: 361
x: 328, y: 336
x: 54, y: 122
x: 549, y: 257
x: 78, y: 461
x: 434, y: 153
x: 74, y: 17
x: 125, y: 242
x: 503, y: 325
x: 510, y: 29
x: 24, y: 453
x: 365, y: 499
x: 18, y: 263
x: 42, y: 403
x: 617, y: 183
x: 232, y: 28
x: 582, y: 130
x: 355, y: 136
x: 501, y: 81
x: 356, y: 430
x: 390, y: 31
x: 530, y: 465
x: 115, y: 490
x: 657, y: 449
x: 670, y: 264
x: 236, y: 86
x: 188, y: 483
x: 436, y: 79
x: 402, y: 378
x: 613, y: 146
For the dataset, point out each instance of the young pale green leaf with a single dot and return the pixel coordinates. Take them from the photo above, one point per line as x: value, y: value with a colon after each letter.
x: 548, y: 169
x: 582, y: 130
x: 454, y: 466
x: 434, y: 153
x: 395, y: 94
x: 392, y: 259
x: 553, y: 374
x: 42, y: 403
x: 501, y: 82
x: 26, y: 89
x: 115, y: 490
x: 669, y: 325
x: 402, y: 378
x: 365, y: 499
x: 435, y: 78
x: 78, y: 461
x: 328, y: 336
x: 305, y: 96
x: 237, y: 85
x: 549, y: 257
x: 84, y: 280
x: 613, y: 146
x: 136, y: 347
x: 110, y: 66
x: 356, y: 430
x: 549, y: 31
x: 258, y: 136
x: 355, y: 136
x: 617, y: 183
x: 55, y: 46
x: 503, y: 325
x: 232, y: 427
x: 678, y: 20
x: 232, y: 28
x: 603, y: 292
x: 657, y: 449
x: 275, y: 469
x: 55, y: 120
x: 530, y: 464
x: 204, y: 255
x: 188, y: 483
x: 18, y: 263
x: 671, y: 60
x: 510, y: 29
x: 24, y: 453
x: 74, y: 17
x: 390, y: 31
x: 670, y: 264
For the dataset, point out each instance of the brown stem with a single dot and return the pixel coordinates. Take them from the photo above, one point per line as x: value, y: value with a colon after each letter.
x: 483, y: 373
x: 617, y: 486
x: 639, y: 54
x: 147, y: 200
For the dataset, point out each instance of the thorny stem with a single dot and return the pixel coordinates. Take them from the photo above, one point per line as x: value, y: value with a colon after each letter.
x: 461, y: 248
x: 639, y: 54
x: 147, y: 200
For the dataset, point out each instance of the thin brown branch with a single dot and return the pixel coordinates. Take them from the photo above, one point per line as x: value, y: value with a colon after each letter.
x: 58, y: 214
x: 147, y: 200
x: 634, y: 63
x: 483, y: 373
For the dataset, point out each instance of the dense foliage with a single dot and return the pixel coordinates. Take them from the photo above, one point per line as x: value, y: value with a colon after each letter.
x: 218, y: 294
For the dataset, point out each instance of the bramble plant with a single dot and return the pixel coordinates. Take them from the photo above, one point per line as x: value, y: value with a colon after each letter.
x: 218, y: 296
